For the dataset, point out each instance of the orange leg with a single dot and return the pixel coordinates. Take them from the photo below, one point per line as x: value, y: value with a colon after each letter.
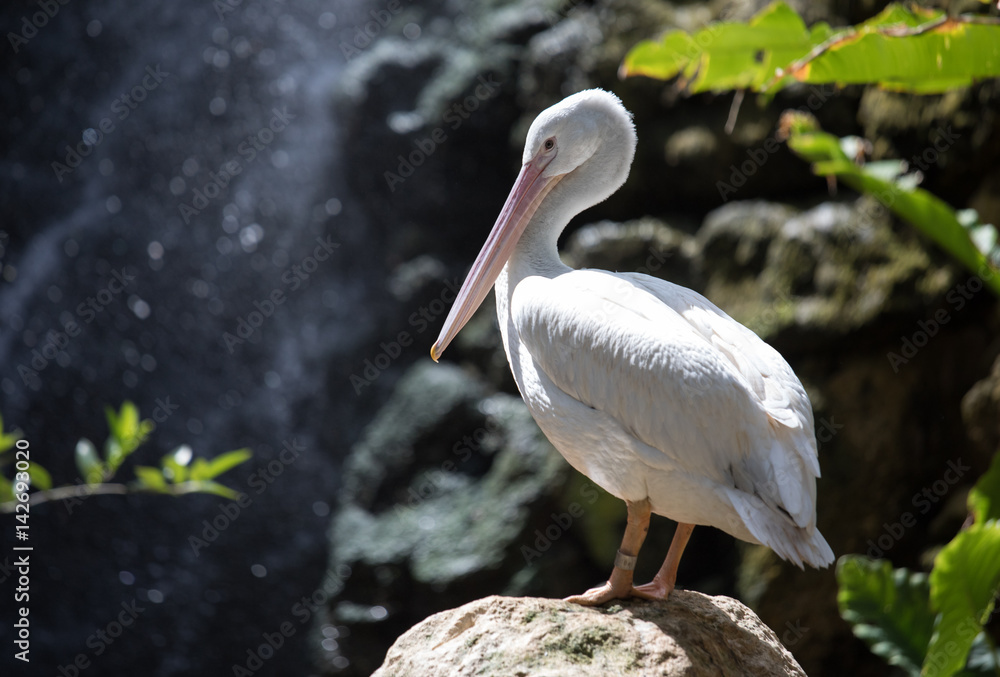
x: 663, y: 582
x: 620, y: 583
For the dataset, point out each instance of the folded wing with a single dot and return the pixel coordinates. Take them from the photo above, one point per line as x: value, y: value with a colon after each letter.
x: 681, y: 376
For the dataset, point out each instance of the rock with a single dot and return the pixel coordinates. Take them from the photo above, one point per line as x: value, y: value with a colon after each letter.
x: 690, y: 634
x: 802, y: 276
x: 452, y: 492
x: 646, y: 245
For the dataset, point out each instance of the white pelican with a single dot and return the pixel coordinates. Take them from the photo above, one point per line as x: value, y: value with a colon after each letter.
x: 644, y: 386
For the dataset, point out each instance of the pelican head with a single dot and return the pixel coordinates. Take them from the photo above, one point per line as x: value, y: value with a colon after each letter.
x: 568, y: 135
x: 580, y: 151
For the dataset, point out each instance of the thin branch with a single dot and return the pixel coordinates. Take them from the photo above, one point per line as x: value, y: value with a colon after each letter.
x: 734, y: 110
x: 81, y: 491
x: 67, y: 492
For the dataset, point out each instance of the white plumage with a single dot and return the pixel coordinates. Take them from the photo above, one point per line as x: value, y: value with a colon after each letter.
x: 644, y: 386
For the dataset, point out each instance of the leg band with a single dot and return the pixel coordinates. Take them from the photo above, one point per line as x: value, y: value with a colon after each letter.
x: 624, y: 562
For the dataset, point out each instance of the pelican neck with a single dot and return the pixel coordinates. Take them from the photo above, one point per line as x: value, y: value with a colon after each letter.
x: 537, y: 251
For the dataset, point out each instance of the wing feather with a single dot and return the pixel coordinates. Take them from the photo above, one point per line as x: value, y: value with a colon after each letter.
x: 775, y: 384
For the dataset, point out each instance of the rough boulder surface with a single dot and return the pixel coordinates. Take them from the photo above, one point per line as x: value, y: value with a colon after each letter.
x: 690, y: 634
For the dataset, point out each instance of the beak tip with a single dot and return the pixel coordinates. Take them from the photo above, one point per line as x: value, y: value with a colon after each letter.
x: 435, y: 353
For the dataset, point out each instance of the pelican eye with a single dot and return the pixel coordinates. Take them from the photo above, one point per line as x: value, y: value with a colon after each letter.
x: 549, y: 144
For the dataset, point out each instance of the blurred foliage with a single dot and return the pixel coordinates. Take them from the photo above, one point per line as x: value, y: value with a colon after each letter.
x: 959, y: 233
x: 920, y: 50
x: 933, y: 625
x: 176, y: 474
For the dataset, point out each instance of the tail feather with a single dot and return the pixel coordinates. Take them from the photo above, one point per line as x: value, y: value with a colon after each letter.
x: 799, y: 545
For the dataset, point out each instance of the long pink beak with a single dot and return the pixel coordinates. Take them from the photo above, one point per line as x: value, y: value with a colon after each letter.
x: 527, y: 194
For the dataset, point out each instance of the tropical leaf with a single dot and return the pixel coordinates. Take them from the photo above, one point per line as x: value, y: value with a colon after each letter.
x: 964, y: 582
x: 984, y: 659
x: 922, y: 50
x: 931, y: 215
x: 888, y: 609
x: 727, y: 55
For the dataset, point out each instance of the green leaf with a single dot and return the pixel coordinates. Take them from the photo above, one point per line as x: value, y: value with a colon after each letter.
x: 928, y: 213
x: 128, y: 432
x: 175, y: 464
x: 888, y: 609
x: 964, y: 581
x: 206, y: 470
x: 114, y: 454
x: 88, y: 462
x: 210, y: 487
x: 125, y: 424
x: 40, y: 477
x: 984, y: 499
x: 920, y: 51
x: 151, y: 478
x: 199, y: 469
x: 727, y: 55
